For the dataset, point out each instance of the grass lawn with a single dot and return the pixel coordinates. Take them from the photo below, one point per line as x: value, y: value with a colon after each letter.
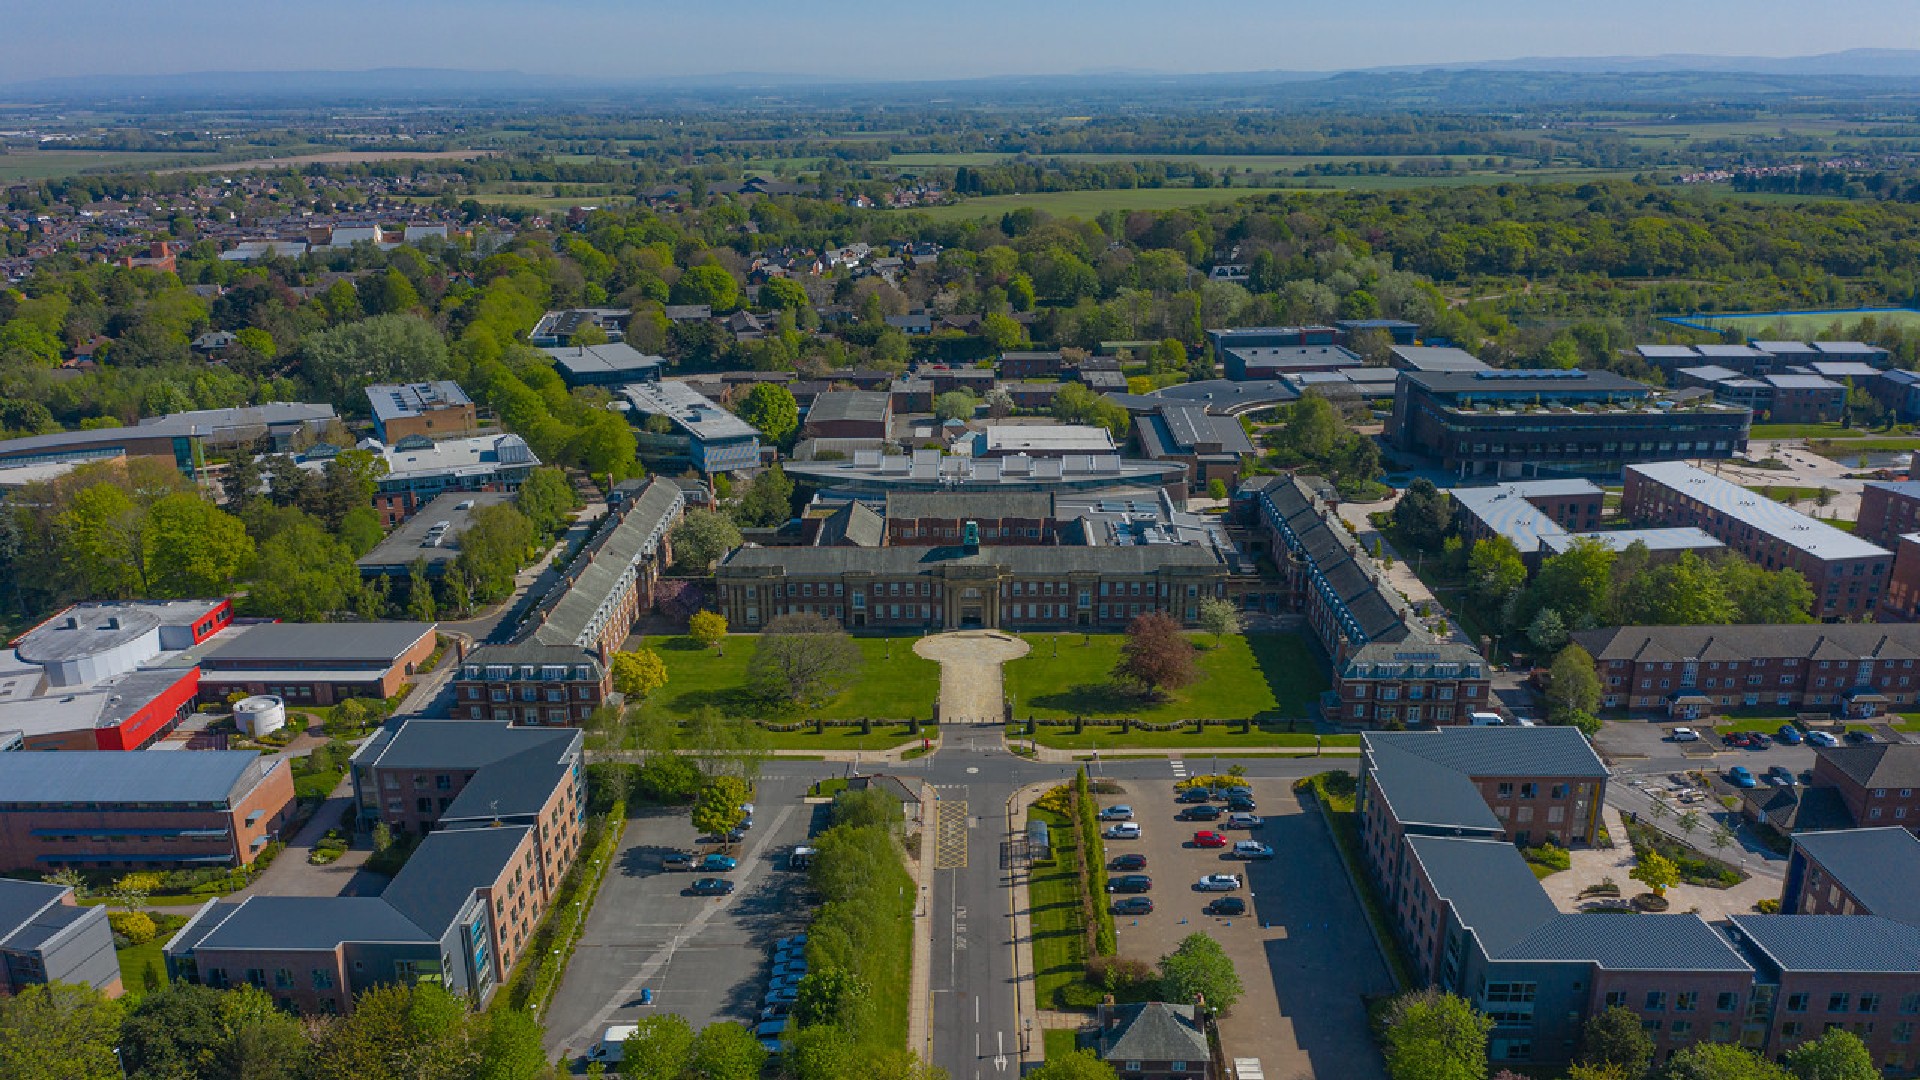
x: 889, y: 688
x: 1803, y: 431
x: 884, y: 737
x: 1102, y: 736
x: 135, y: 960
x: 1059, y: 1042
x: 1844, y: 452
x: 1263, y: 677
x: 1763, y: 325
x: 1059, y: 933
x: 52, y: 164
x: 1089, y: 204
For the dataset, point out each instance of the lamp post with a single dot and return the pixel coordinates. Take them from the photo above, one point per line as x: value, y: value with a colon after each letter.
x: 1026, y: 1036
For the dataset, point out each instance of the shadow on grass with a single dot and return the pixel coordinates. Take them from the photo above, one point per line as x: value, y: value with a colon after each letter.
x: 1090, y: 699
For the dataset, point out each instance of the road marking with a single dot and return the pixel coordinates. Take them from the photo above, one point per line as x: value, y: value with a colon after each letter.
x: 949, y: 835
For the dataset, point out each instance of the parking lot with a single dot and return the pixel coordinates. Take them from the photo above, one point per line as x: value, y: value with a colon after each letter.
x: 705, y: 958
x: 1303, y: 951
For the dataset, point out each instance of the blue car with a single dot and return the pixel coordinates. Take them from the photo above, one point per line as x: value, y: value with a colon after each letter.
x: 1790, y: 735
x: 1738, y: 776
x: 718, y: 864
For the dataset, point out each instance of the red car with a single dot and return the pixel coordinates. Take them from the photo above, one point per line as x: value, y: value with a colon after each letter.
x: 1208, y: 838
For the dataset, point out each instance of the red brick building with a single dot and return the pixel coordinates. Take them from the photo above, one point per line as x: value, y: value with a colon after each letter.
x: 1856, y: 670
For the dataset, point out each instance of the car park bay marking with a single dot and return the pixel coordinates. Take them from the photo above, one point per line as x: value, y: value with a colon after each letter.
x: 950, y: 835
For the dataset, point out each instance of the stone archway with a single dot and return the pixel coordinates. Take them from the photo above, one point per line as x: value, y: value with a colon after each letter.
x: 971, y: 690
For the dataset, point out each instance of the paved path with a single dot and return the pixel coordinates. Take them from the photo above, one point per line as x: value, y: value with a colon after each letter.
x: 1400, y: 575
x: 971, y: 691
x: 1804, y: 469
x: 1591, y: 865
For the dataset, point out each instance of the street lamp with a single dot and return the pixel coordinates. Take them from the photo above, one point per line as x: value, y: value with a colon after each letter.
x: 1026, y: 1036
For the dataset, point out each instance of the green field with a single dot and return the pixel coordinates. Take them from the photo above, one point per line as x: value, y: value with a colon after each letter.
x: 1799, y: 323
x: 52, y: 164
x: 1804, y: 431
x: 1267, y: 678
x: 888, y: 689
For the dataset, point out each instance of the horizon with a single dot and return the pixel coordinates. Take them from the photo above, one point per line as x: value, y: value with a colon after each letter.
x: 600, y: 41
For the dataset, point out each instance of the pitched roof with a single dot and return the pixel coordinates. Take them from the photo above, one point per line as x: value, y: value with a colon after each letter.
x: 120, y: 777
x: 1879, y: 867
x: 574, y: 612
x: 1499, y: 751
x: 21, y: 902
x: 313, y: 923
x: 1489, y: 885
x: 331, y: 643
x: 1830, y: 943
x: 443, y: 872
x: 1152, y: 1031
x: 855, y: 523
x: 1775, y: 520
x: 1895, y: 641
x: 850, y: 405
x: 1880, y: 765
x: 1636, y: 943
x: 465, y: 744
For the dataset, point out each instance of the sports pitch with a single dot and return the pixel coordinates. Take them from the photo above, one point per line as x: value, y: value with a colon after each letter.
x: 1758, y: 325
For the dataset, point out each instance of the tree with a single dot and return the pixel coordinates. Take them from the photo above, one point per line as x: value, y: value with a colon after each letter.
x: 1719, y: 1061
x: 99, y: 540
x: 302, y: 574
x: 262, y: 1042
x: 727, y: 1051
x: 955, y: 405
x: 783, y: 294
x: 1423, y: 515
x: 192, y: 548
x: 1573, y: 685
x: 771, y: 408
x: 768, y: 501
x: 1575, y: 583
x: 803, y: 660
x: 1656, y: 872
x: 830, y: 996
x: 1496, y: 570
x: 547, y: 499
x: 511, y: 1045
x: 708, y: 284
x: 1547, y: 631
x: 59, y: 1030
x: 1614, y: 1037
x: 1199, y: 969
x: 420, y: 605
x: 638, y: 673
x: 1079, y: 1065
x: 496, y: 543
x: 720, y: 805
x: 400, y: 1032
x: 1219, y: 617
x: 709, y: 628
x: 388, y: 348
x: 1836, y: 1055
x: 1312, y: 429
x: 1156, y: 654
x: 1684, y: 592
x: 1429, y: 1035
x: 660, y: 1048
x: 1761, y: 596
x: 702, y: 536
x: 821, y: 1051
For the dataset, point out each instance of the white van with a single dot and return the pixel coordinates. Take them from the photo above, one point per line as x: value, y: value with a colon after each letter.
x: 1485, y: 719
x: 613, y: 1045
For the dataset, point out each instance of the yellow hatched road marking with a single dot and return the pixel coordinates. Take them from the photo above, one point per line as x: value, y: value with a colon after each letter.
x: 950, y: 835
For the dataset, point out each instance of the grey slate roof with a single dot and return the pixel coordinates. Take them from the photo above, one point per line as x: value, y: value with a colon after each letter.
x: 570, y: 616
x: 1879, y: 867
x: 1489, y: 886
x: 514, y: 786
x: 315, y: 923
x: 111, y: 776
x: 854, y: 405
x: 1152, y: 1031
x: 532, y: 652
x: 441, y: 875
x: 1019, y: 560
x: 319, y: 643
x: 1881, y: 765
x: 1499, y: 751
x: 1421, y: 792
x: 466, y: 744
x: 1828, y: 943
x: 855, y: 523
x: 1850, y: 641
x: 21, y: 902
x: 1630, y: 943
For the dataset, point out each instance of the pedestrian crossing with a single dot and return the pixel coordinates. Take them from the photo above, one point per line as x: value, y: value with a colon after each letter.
x: 1179, y: 768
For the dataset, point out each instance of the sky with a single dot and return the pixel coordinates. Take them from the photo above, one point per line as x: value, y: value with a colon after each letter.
x: 905, y: 39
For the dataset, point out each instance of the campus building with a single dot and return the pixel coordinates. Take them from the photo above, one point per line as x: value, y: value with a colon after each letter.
x: 1211, y: 447
x: 871, y: 473
x: 502, y: 810
x: 420, y: 470
x: 47, y: 937
x: 1763, y: 357
x: 614, y: 364
x: 558, y: 327
x: 1513, y: 424
x: 532, y: 684
x: 1888, y: 511
x: 1847, y: 573
x: 144, y: 811
x: 1543, y: 518
x: 848, y: 414
x: 1388, y: 669
x: 1852, y: 670
x: 182, y: 438
x: 613, y: 577
x: 966, y: 587
x: 316, y: 663
x: 712, y: 439
x: 1785, y: 398
x: 433, y: 410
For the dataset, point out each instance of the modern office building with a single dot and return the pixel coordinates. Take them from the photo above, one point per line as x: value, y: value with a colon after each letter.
x: 1269, y: 337
x: 316, y: 663
x: 1435, y: 358
x: 1852, y: 670
x: 848, y: 414
x: 1399, y: 331
x: 47, y: 937
x: 99, y: 810
x: 420, y: 470
x: 1243, y: 362
x: 1848, y: 574
x: 558, y: 327
x: 1545, y: 423
x: 433, y: 410
x: 182, y: 438
x: 1543, y: 518
x: 1763, y: 357
x: 503, y: 810
x: 1210, y: 446
x: 614, y: 364
x: 1779, y: 398
x: 711, y: 438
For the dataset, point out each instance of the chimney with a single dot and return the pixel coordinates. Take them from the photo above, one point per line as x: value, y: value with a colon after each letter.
x: 113, y: 622
x: 73, y: 622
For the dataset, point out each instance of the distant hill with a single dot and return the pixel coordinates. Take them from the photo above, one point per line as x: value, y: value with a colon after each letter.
x: 1874, y: 63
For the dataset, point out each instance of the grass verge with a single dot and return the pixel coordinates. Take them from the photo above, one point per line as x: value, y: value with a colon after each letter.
x: 1105, y: 736
x: 1059, y: 1042
x: 1059, y: 931
x: 1266, y: 678
x: 1334, y: 793
x: 537, y: 976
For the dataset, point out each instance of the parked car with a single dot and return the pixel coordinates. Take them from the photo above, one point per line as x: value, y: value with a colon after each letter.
x: 781, y: 997
x: 784, y: 982
x: 1252, y: 849
x: 1738, y: 776
x: 775, y: 1011
x: 1133, y: 905
x: 1208, y: 838
x: 1201, y: 813
x: 711, y: 886
x: 791, y: 941
x: 1860, y: 737
x: 718, y: 864
x: 790, y: 956
x: 676, y: 860
x: 1241, y: 803
x: 1684, y: 734
x: 1790, y: 735
x: 1218, y: 883
x: 797, y: 969
x: 1244, y: 821
x: 1232, y: 790
x: 1195, y: 795
x: 1130, y: 883
x: 1121, y: 812
x: 1126, y: 830
x: 771, y: 1029
x: 1821, y: 738
x: 1130, y: 861
x: 1781, y: 776
x: 1227, y: 905
x: 774, y: 1047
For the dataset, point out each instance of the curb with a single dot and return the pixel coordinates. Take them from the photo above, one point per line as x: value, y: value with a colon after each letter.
x: 920, y: 982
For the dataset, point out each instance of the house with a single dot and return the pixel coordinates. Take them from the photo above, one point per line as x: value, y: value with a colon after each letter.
x: 1879, y: 783
x: 913, y: 324
x: 1152, y: 1040
x: 47, y: 937
x: 1855, y: 670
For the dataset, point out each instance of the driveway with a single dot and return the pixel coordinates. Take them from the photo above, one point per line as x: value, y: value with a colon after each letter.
x: 971, y: 691
x: 1304, y: 952
x: 704, y: 958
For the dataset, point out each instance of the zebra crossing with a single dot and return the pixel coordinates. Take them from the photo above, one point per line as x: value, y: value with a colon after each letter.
x: 1179, y: 768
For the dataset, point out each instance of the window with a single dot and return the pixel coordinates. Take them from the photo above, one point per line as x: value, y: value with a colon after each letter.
x: 1132, y: 1066
x: 1616, y: 997
x: 1838, y: 1002
x: 1506, y: 791
x: 282, y: 979
x: 1656, y: 1001
x: 1797, y: 1002
x: 1529, y: 790
x: 1681, y: 1028
x: 322, y: 979
x: 1728, y: 1001
x: 1869, y: 1003
x: 1903, y: 1031
x: 1910, y: 1004
x: 1686, y: 1001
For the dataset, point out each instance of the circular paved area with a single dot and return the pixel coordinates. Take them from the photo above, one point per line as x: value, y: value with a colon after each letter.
x: 970, y: 686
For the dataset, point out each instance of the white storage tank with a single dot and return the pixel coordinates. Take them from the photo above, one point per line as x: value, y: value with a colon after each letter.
x: 261, y: 714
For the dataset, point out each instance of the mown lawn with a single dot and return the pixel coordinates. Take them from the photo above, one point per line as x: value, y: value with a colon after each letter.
x: 1267, y: 678
x: 1804, y: 431
x: 1059, y: 932
x: 895, y: 684
x: 1104, y: 736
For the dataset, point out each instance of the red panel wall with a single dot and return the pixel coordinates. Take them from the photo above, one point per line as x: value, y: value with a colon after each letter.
x: 142, y: 725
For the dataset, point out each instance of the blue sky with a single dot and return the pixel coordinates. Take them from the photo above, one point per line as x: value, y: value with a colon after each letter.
x: 896, y: 39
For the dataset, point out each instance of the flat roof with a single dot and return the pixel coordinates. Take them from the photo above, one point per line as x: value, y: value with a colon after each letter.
x: 104, y: 704
x: 1293, y: 356
x: 91, y: 628
x: 1020, y: 560
x: 615, y: 358
x: 865, y: 406
x: 407, y: 543
x: 394, y: 401
x: 1043, y: 439
x: 1534, y: 381
x: 1685, y: 538
x: 476, y: 456
x: 1438, y: 358
x: 1507, y: 511
x: 374, y: 642
x: 1776, y: 520
x: 115, y: 776
x: 689, y: 410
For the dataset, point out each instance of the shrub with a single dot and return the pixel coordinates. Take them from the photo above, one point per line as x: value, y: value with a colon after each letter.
x: 135, y: 926
x: 1768, y: 905
x: 1549, y: 856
